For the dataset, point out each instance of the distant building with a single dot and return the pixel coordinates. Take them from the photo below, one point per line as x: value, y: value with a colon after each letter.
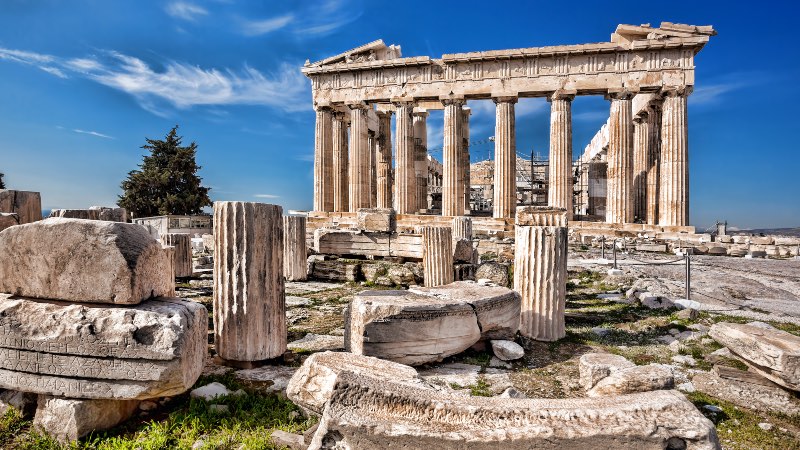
x: 191, y: 225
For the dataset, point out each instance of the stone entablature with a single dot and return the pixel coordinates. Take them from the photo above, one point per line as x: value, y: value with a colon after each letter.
x: 645, y: 59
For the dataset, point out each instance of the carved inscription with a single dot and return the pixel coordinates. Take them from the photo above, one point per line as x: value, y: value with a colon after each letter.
x: 82, y: 367
x: 79, y: 388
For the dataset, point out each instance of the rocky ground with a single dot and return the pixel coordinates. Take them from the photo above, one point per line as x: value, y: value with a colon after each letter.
x: 600, y: 317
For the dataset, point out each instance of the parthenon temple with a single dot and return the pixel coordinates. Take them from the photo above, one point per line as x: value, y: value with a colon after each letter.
x: 646, y: 73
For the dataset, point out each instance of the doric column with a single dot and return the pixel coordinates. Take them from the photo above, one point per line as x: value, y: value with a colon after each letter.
x: 453, y: 182
x: 674, y: 199
x: 505, y: 159
x: 341, y: 162
x: 359, y: 158
x: 421, y: 157
x: 295, y: 259
x: 641, y: 145
x: 384, y: 160
x: 183, y: 252
x: 462, y: 227
x: 323, y: 160
x: 560, y: 187
x: 619, y: 192
x: 405, y: 187
x: 540, y: 272
x: 437, y: 255
x: 249, y: 306
x: 466, y: 112
x: 653, y: 162
x: 373, y: 170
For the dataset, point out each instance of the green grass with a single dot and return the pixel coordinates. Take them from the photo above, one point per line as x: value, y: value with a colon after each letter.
x: 480, y: 388
x: 179, y: 425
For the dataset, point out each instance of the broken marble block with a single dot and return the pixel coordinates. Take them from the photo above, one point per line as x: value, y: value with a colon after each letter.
x: 365, y: 412
x: 85, y: 261
x: 376, y: 219
x: 26, y: 205
x: 773, y: 353
x: 497, y: 307
x: 8, y: 220
x: 85, y: 214
x: 110, y: 214
x: 68, y: 419
x: 312, y: 385
x: 409, y: 328
x: 652, y: 377
x: 593, y: 367
x: 150, y: 350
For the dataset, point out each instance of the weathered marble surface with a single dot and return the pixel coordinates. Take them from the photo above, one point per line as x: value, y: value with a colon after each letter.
x: 8, y: 220
x: 85, y: 214
x: 295, y: 250
x: 773, y: 353
x: 634, y: 379
x: 68, y: 419
x: 183, y: 252
x: 111, y: 214
x: 593, y: 367
x: 27, y: 205
x: 84, y: 261
x: 312, y: 385
x: 376, y: 219
x: 368, y: 412
x: 153, y: 349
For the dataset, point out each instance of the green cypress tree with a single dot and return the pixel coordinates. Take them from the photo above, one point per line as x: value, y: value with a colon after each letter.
x: 166, y: 181
x: 2, y: 183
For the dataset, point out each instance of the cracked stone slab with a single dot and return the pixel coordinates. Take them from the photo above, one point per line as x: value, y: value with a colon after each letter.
x: 153, y: 349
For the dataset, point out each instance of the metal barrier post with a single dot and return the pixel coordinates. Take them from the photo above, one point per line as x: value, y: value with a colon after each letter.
x: 603, y: 247
x: 614, y: 251
x: 688, y: 277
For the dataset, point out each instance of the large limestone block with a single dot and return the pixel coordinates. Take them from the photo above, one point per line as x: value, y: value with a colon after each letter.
x: 68, y: 419
x: 85, y: 214
x: 27, y: 205
x: 376, y: 219
x: 153, y: 349
x: 249, y: 303
x: 409, y: 328
x: 312, y: 385
x: 634, y: 379
x: 8, y: 220
x: 496, y: 307
x: 770, y: 352
x: 83, y: 260
x: 366, y: 412
x: 463, y: 252
x: 111, y: 214
x: 183, y: 252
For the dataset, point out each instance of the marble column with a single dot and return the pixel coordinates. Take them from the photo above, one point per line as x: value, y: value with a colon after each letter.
x: 673, y: 205
x: 359, y: 158
x: 560, y: 184
x: 466, y: 112
x: 462, y: 227
x: 183, y: 252
x: 384, y: 160
x: 323, y: 160
x: 453, y: 182
x: 619, y: 191
x: 249, y: 306
x: 505, y: 159
x: 421, y: 157
x: 295, y: 249
x: 653, y: 162
x: 641, y: 146
x: 341, y: 162
x: 405, y: 187
x: 540, y: 272
x: 437, y: 255
x: 373, y: 170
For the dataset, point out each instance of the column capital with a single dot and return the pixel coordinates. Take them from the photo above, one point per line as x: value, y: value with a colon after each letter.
x: 466, y: 110
x: 420, y: 112
x: 384, y: 114
x: 641, y: 116
x: 357, y: 105
x: 402, y: 101
x: 338, y: 115
x: 620, y: 94
x: 562, y: 94
x: 505, y: 99
x: 452, y: 100
x: 323, y: 108
x: 674, y: 91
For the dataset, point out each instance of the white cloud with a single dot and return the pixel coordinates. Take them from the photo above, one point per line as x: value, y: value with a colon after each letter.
x: 266, y: 196
x: 260, y: 27
x: 93, y: 133
x: 712, y: 92
x: 324, y: 17
x: 185, y: 10
x: 179, y: 84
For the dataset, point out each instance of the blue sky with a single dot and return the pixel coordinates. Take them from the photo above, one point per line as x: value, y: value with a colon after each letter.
x: 82, y: 83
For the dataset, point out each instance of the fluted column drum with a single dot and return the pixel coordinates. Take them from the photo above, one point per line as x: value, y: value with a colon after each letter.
x: 641, y: 146
x: 295, y: 257
x: 674, y: 199
x: 619, y: 193
x: 249, y: 305
x: 341, y: 162
x: 384, y: 160
x: 462, y: 228
x: 405, y: 191
x: 360, y: 189
x: 505, y: 159
x: 183, y: 252
x: 323, y: 160
x: 452, y: 160
x: 437, y: 255
x: 559, y: 193
x: 653, y: 162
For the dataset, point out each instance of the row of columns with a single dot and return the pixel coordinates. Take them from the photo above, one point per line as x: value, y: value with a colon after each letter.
x: 647, y: 176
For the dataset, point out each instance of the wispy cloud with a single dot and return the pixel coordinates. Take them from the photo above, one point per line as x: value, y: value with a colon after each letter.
x: 261, y: 27
x: 93, y: 133
x: 266, y: 196
x: 324, y: 17
x: 185, y: 10
x: 710, y: 93
x: 178, y: 84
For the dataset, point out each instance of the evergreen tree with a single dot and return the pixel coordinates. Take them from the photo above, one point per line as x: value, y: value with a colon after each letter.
x: 2, y: 183
x: 166, y: 181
